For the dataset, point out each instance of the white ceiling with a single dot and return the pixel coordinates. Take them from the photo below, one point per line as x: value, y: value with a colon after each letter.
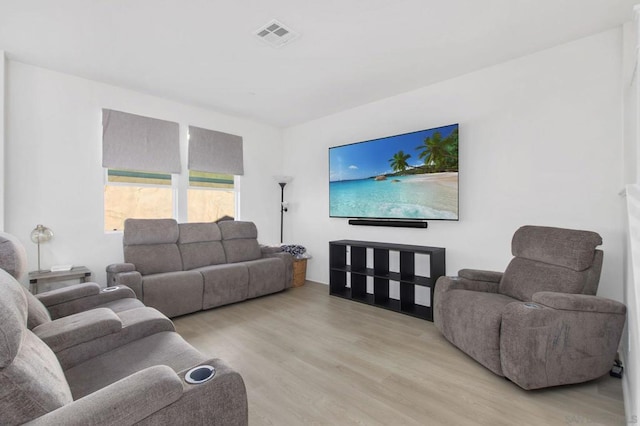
x: 350, y: 52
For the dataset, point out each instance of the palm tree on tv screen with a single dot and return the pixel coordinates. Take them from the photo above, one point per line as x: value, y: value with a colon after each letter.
x: 440, y: 153
x: 399, y: 161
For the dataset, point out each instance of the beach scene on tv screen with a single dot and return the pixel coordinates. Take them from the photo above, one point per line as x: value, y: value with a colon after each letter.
x: 409, y: 176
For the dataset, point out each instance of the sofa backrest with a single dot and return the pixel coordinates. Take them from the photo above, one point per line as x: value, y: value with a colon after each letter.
x: 240, y: 241
x: 32, y: 382
x: 552, y: 259
x: 200, y: 245
x: 152, y: 245
x: 37, y: 313
x: 13, y: 257
x: 13, y: 260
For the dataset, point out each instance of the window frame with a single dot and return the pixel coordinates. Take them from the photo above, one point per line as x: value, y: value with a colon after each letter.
x: 175, y: 193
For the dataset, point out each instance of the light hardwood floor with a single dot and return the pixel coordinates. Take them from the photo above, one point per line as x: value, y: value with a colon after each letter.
x: 310, y: 358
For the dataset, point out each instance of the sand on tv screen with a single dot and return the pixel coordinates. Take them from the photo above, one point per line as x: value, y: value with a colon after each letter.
x: 408, y: 176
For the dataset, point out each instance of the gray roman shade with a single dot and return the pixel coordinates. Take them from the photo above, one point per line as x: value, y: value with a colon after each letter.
x: 134, y: 142
x: 215, y: 152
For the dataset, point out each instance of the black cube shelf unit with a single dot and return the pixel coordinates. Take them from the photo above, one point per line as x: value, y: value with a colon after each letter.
x: 358, y: 271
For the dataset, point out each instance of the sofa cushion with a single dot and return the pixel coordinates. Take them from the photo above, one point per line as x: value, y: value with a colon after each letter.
x: 235, y: 229
x: 224, y: 284
x: 150, y: 231
x: 523, y: 278
x: 240, y: 241
x: 151, y: 245
x: 164, y: 348
x: 569, y: 248
x: 472, y: 322
x: 154, y: 258
x: 200, y: 245
x: 198, y: 232
x: 173, y: 293
x: 266, y: 276
x: 241, y: 250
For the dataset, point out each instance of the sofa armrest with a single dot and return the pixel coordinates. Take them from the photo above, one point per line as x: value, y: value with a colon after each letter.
x: 117, y: 268
x: 66, y: 307
x: 480, y: 275
x: 287, y: 258
x: 542, y: 346
x: 220, y: 401
x: 579, y: 302
x: 79, y: 328
x: 121, y: 267
x: 125, y: 402
x: 69, y: 293
x: 460, y: 283
x: 131, y: 279
x: 270, y: 249
x: 446, y: 285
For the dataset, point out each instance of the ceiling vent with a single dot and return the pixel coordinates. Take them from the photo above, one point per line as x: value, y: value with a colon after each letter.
x: 275, y: 34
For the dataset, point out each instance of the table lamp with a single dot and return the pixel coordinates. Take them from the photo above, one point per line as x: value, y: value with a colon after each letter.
x: 41, y: 234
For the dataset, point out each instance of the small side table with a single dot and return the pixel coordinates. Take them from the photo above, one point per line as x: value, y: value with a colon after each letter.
x: 299, y: 272
x: 81, y: 273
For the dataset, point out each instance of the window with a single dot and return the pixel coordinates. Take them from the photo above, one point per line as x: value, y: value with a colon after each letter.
x: 211, y: 196
x: 136, y: 194
x: 139, y: 154
x: 214, y: 159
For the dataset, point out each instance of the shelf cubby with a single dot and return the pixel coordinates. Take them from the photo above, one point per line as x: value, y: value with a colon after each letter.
x: 353, y: 269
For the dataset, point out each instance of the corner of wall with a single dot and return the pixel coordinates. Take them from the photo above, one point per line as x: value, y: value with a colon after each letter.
x: 2, y: 133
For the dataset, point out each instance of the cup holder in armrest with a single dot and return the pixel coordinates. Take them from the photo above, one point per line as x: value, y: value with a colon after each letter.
x: 108, y: 289
x: 200, y: 374
x: 532, y: 305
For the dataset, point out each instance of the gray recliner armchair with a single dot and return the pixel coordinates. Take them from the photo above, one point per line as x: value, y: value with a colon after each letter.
x: 539, y: 323
x: 65, y: 301
x: 155, y: 380
x: 81, y: 321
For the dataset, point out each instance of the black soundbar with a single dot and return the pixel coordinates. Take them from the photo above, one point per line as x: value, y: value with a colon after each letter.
x: 394, y: 223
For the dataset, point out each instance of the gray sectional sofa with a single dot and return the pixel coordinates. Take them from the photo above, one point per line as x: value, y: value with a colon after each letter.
x: 188, y: 267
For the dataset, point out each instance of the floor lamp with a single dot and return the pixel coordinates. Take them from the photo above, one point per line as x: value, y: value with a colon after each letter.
x: 284, y: 206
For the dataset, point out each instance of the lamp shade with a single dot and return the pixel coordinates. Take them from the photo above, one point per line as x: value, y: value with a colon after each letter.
x: 41, y: 234
x: 283, y: 179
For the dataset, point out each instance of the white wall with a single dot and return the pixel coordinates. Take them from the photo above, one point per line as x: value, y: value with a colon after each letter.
x: 54, y: 157
x: 2, y: 137
x: 540, y: 143
x: 631, y: 338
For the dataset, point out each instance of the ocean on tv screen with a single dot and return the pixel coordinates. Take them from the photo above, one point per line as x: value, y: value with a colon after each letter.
x: 432, y: 196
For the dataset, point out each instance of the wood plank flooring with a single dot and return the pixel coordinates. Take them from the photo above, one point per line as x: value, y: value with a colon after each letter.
x: 309, y: 358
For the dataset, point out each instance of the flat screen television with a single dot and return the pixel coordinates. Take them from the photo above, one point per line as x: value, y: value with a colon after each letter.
x: 410, y: 176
